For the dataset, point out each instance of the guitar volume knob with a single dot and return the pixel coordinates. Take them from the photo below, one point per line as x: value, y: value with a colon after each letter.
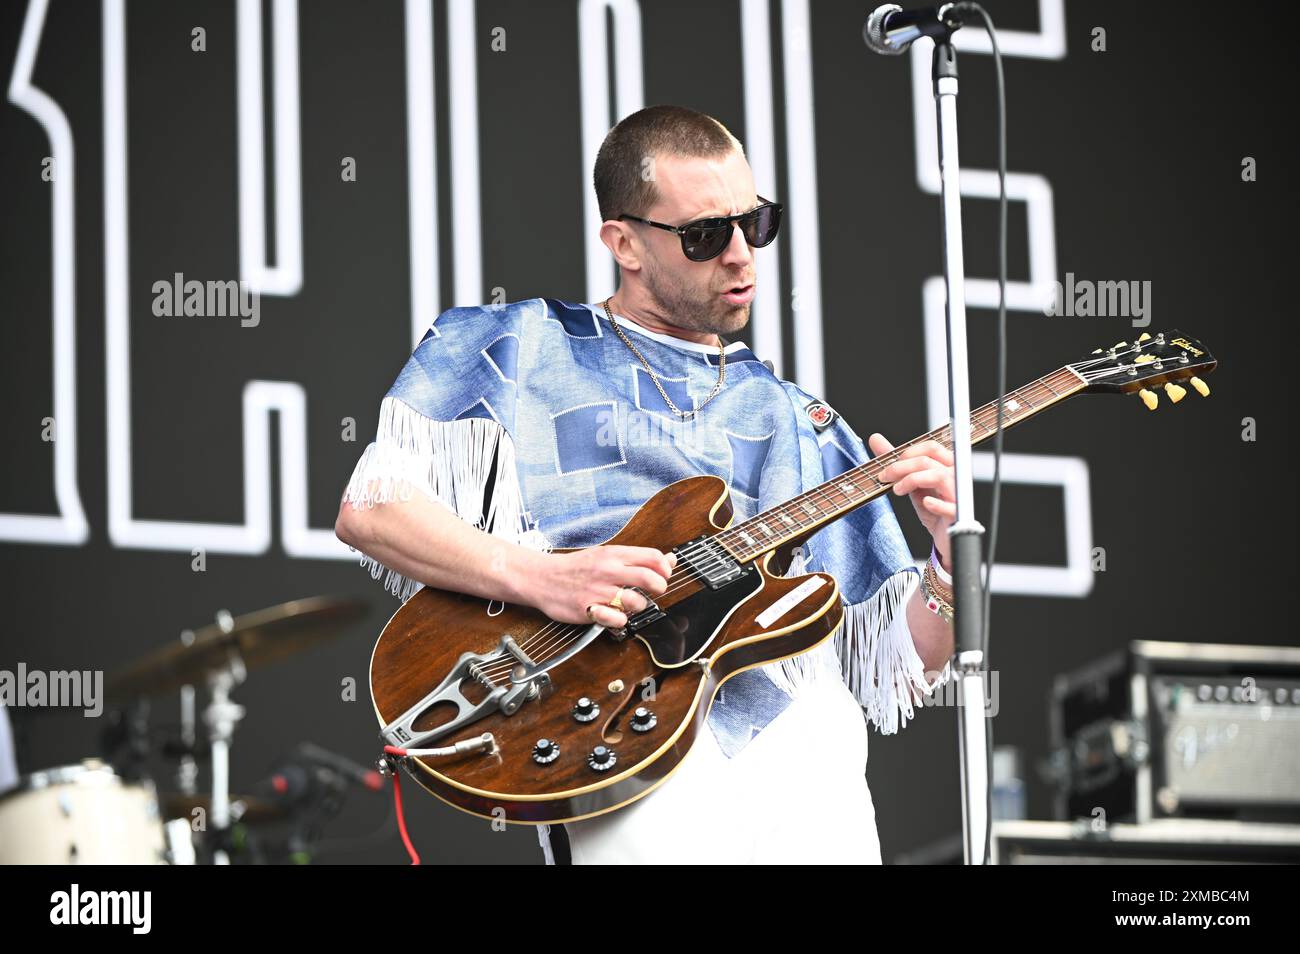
x: 584, y: 710
x: 545, y: 751
x: 643, y: 720
x: 601, y: 759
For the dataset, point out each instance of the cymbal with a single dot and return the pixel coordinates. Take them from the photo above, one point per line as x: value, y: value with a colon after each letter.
x: 257, y: 639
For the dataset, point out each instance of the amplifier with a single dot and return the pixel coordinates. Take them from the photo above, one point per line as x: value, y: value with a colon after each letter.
x: 1169, y: 841
x: 1169, y: 730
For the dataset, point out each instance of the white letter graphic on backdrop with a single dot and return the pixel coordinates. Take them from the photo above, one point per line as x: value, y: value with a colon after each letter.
x: 69, y: 527
x: 260, y: 398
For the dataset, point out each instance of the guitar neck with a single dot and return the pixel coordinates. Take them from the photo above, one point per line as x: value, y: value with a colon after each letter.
x: 799, y: 516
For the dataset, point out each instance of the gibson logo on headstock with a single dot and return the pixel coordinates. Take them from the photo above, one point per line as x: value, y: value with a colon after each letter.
x: 1188, y: 346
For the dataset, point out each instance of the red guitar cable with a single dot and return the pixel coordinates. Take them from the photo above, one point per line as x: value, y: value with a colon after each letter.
x: 481, y: 743
x: 397, y: 803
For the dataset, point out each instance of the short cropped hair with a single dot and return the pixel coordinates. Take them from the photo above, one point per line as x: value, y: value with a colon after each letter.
x: 623, y: 179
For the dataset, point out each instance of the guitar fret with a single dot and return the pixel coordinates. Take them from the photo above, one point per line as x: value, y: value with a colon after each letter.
x: 821, y: 505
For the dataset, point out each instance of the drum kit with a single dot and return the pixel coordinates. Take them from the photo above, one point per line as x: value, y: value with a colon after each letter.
x: 109, y: 810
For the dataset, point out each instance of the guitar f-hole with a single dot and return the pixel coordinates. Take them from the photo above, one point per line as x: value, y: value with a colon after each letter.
x: 611, y: 733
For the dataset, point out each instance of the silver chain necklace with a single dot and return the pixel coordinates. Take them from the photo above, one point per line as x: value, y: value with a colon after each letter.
x: 684, y: 415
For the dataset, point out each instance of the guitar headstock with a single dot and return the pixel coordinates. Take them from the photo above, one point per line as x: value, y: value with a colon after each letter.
x: 1147, y: 363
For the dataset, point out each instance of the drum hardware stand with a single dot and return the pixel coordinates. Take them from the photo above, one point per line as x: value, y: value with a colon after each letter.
x: 221, y: 716
x: 126, y: 745
x: 187, y: 773
x: 178, y: 839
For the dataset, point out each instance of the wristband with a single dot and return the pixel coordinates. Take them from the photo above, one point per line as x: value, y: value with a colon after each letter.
x: 938, y: 567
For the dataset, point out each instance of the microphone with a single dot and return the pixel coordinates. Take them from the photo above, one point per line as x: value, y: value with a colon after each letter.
x: 890, y: 29
x: 290, y: 785
x: 365, y: 777
x: 314, y: 774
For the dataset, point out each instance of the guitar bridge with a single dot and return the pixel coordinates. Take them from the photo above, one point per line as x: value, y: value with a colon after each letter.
x: 507, y: 699
x: 641, y: 619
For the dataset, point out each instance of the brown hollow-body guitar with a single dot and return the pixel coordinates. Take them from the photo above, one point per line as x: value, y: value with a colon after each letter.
x: 583, y: 720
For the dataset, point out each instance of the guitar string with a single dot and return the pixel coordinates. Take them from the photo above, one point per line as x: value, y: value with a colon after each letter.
x: 557, y: 642
x: 575, y: 629
x: 555, y: 632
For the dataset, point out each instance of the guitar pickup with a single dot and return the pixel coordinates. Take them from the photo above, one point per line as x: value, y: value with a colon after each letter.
x: 710, y: 561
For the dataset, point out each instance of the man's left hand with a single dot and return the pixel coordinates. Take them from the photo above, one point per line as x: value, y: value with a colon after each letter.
x: 924, y: 472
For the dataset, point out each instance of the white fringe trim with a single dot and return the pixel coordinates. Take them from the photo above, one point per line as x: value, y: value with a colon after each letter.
x: 450, y: 462
x: 872, y: 651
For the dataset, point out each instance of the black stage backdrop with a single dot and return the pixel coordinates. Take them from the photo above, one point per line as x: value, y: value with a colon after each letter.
x: 423, y: 155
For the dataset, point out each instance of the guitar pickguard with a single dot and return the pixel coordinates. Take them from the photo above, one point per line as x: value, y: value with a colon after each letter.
x: 689, y: 626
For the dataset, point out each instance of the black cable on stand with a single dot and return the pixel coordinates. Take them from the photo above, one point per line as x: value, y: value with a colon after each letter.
x: 890, y: 30
x: 995, y: 507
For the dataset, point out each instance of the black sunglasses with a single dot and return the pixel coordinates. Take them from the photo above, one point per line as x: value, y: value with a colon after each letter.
x: 704, y: 239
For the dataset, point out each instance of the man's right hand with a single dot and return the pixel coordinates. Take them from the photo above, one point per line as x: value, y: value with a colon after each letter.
x: 570, y: 582
x: 425, y: 540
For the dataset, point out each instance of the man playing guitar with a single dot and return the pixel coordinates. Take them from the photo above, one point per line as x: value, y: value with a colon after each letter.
x: 542, y: 424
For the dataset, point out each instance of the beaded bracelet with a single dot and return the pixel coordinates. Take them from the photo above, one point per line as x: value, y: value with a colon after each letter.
x: 937, y: 601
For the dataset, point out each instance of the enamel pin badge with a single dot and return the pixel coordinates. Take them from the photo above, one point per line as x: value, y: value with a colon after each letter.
x: 821, y: 414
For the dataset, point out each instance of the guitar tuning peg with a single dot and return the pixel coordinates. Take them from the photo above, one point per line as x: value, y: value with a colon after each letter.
x: 1098, y: 351
x: 1149, y: 399
x: 1202, y: 388
x: 1120, y: 344
x: 1143, y: 337
x: 1175, y: 393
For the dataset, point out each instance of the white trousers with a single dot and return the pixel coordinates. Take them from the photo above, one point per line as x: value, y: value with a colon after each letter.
x: 797, y: 793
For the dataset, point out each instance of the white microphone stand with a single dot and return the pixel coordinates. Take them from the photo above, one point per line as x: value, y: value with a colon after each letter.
x: 966, y: 532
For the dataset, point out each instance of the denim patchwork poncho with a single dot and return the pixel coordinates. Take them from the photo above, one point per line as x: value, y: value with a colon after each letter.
x: 541, y: 401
